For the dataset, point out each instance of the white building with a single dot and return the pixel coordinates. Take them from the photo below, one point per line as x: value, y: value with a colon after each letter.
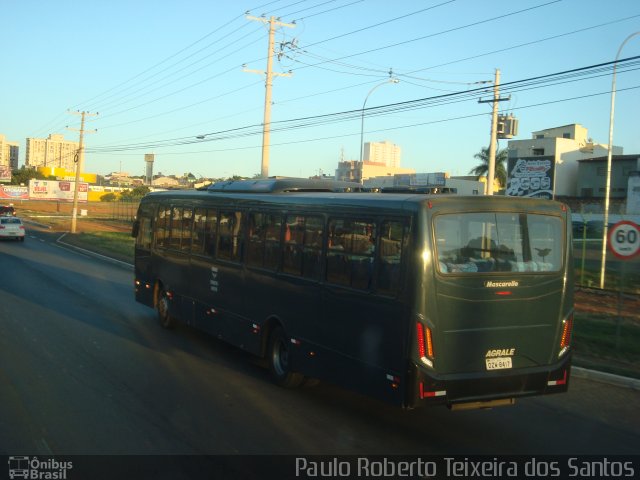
x: 354, y: 171
x: 8, y: 158
x: 54, y: 151
x: 381, y: 159
x: 383, y: 153
x: 547, y: 164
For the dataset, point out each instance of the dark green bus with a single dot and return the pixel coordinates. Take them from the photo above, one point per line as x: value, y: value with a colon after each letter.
x: 410, y: 298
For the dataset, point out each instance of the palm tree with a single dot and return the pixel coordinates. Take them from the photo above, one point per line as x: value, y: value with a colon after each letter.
x: 482, y: 170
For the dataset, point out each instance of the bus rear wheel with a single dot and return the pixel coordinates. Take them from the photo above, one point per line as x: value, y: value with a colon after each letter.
x: 166, y: 320
x: 279, y: 360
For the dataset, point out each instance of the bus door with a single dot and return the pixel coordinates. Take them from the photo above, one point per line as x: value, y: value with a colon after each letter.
x: 362, y: 326
x: 174, y: 269
x: 500, y: 295
x: 296, y: 296
x: 143, y: 233
x: 217, y: 278
x: 203, y: 273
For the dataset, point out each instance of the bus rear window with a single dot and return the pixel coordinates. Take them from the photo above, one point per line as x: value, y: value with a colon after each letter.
x: 498, y: 242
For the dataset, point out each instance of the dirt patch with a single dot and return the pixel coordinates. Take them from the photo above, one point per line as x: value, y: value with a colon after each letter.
x: 607, y: 303
x: 92, y: 216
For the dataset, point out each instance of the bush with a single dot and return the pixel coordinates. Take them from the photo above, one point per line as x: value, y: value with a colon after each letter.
x: 108, y: 197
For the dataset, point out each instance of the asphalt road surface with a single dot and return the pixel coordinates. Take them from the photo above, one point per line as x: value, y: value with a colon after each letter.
x: 84, y: 369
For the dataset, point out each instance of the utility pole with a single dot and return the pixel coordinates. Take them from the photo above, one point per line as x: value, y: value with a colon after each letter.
x: 266, y: 126
x: 79, y: 165
x: 494, y: 128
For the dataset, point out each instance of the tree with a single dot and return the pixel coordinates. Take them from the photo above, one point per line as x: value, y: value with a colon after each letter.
x: 140, y: 191
x: 482, y: 170
x: 108, y: 197
x: 24, y: 174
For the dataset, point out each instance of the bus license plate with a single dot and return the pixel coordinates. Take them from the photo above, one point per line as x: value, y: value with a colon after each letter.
x: 499, y: 363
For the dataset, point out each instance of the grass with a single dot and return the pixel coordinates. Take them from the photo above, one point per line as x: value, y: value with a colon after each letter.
x: 607, y: 344
x: 118, y: 245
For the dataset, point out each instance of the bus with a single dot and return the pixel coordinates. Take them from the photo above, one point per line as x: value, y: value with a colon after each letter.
x: 409, y: 298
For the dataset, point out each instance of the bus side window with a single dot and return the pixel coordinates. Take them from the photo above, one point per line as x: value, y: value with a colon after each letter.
x: 393, y: 237
x: 210, y: 232
x: 199, y: 230
x: 312, y: 247
x: 302, y: 249
x: 293, y: 237
x: 187, y: 230
x: 264, y: 240
x: 143, y: 240
x: 255, y: 249
x: 230, y: 236
x: 175, y: 230
x: 273, y: 225
x: 162, y: 226
x: 350, y: 253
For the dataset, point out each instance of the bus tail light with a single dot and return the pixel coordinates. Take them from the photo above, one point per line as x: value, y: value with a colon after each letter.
x: 565, y: 339
x: 425, y: 344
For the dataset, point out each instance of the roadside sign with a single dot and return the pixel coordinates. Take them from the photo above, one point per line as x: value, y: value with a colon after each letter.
x: 624, y: 239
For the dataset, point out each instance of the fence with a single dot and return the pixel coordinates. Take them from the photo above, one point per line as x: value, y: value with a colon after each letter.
x: 124, y: 211
x: 588, y: 231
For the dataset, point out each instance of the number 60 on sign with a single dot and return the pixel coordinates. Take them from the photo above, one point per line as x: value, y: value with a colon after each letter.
x: 624, y: 239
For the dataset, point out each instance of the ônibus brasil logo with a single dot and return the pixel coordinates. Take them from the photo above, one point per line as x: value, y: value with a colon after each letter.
x: 32, y: 468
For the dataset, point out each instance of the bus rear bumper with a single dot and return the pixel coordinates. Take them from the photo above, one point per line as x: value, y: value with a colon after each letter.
x: 484, y: 390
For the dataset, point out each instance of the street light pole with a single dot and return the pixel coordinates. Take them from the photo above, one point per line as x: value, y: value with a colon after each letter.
x: 391, y: 80
x: 605, y: 233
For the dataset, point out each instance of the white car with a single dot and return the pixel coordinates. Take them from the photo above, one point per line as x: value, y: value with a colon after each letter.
x: 11, y: 227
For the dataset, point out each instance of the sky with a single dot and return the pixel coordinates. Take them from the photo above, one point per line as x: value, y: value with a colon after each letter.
x: 178, y: 79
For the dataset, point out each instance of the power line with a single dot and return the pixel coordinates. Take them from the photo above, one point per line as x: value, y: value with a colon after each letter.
x: 49, y: 125
x: 526, y: 44
x: 394, y: 128
x: 326, y: 11
x: 624, y: 65
x: 399, y: 74
x: 385, y: 47
x: 120, y: 96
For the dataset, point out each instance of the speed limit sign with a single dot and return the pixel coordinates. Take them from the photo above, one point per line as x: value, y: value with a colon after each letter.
x: 624, y: 239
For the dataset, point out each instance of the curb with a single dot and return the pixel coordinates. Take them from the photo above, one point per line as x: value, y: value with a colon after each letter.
x: 41, y: 225
x: 93, y: 254
x: 603, y: 377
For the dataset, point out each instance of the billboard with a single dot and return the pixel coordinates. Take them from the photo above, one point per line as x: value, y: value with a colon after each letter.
x: 70, y: 175
x: 14, y: 192
x: 530, y: 177
x: 5, y: 173
x: 437, y: 179
x: 56, y: 190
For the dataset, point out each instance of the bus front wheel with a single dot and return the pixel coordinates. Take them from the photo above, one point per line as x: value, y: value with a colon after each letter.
x: 166, y: 320
x: 279, y: 360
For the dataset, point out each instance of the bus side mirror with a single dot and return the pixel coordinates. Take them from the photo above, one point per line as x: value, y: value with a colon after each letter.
x: 135, y: 229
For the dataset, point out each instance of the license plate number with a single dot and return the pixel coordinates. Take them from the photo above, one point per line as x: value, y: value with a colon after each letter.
x: 499, y: 363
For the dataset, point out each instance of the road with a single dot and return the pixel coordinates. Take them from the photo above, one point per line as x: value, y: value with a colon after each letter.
x: 84, y: 369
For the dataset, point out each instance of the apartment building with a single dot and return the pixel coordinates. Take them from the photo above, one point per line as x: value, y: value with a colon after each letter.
x: 8, y: 158
x: 383, y: 153
x: 53, y: 151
